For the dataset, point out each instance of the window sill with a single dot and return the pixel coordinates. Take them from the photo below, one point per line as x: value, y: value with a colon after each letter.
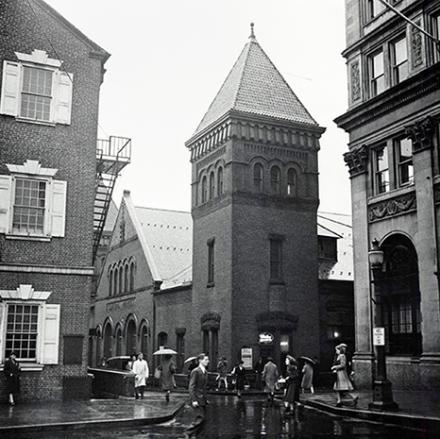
x: 27, y: 367
x: 391, y: 194
x: 210, y: 284
x: 29, y: 238
x: 35, y: 121
x: 276, y: 282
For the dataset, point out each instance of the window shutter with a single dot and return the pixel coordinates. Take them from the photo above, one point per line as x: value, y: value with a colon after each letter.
x: 10, y: 88
x: 63, y: 97
x: 2, y: 329
x: 51, y: 334
x: 58, y: 208
x: 5, y: 202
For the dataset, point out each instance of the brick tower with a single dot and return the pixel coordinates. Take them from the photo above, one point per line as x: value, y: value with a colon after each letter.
x: 254, y: 204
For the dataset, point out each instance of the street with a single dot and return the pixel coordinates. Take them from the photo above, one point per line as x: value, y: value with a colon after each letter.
x: 250, y: 417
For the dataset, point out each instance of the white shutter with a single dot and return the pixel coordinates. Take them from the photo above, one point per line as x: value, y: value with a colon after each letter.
x: 58, y: 208
x: 5, y: 202
x: 63, y: 97
x: 10, y: 88
x: 2, y: 330
x: 51, y: 334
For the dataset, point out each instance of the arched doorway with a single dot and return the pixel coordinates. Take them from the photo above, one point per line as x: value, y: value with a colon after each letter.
x: 400, y: 297
x: 131, y: 342
x: 144, y: 338
x: 98, y: 359
x: 108, y: 351
x: 118, y: 337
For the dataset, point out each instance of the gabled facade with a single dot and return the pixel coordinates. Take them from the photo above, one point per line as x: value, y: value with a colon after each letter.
x: 393, y: 159
x: 50, y: 80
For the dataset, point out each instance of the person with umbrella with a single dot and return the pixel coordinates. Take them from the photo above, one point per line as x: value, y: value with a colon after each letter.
x: 167, y: 370
x: 140, y: 369
x: 307, y: 378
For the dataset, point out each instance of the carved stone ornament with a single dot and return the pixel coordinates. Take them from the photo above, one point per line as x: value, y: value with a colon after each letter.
x: 392, y: 207
x: 210, y: 320
x: 416, y: 46
x: 357, y: 160
x: 421, y: 133
x: 355, y: 79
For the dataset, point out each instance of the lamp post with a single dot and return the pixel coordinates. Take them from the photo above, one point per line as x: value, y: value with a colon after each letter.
x: 382, y: 388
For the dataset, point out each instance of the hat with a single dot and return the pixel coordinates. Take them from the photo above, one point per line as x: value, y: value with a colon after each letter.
x: 341, y: 345
x: 291, y: 359
x: 13, y: 353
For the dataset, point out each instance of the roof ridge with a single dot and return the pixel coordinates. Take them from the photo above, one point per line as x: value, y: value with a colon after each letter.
x: 334, y: 221
x: 329, y: 230
x: 163, y: 210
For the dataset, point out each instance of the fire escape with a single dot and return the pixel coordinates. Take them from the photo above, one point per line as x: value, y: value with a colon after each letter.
x: 112, y: 154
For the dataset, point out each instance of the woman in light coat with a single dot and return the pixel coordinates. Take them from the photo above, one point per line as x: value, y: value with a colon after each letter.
x: 342, y: 384
x: 140, y: 369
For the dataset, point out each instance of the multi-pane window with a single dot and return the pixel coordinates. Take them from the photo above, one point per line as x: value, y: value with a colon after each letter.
x: 436, y: 33
x: 29, y: 206
x: 375, y: 7
x: 275, y: 179
x: 219, y: 181
x: 376, y: 73
x: 404, y: 160
x: 258, y: 177
x: 211, y: 261
x: 291, y: 182
x: 381, y: 170
x: 36, y: 93
x: 204, y: 190
x: 22, y: 331
x: 399, y: 60
x: 276, y: 259
x: 211, y: 185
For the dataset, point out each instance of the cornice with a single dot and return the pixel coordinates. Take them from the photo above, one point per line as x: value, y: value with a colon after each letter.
x: 426, y: 81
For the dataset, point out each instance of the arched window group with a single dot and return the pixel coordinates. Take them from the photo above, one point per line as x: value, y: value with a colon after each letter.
x: 121, y: 277
x: 278, y: 184
x: 212, y: 185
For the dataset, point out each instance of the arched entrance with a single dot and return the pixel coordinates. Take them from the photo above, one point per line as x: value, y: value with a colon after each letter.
x: 108, y: 341
x: 131, y: 342
x: 400, y: 297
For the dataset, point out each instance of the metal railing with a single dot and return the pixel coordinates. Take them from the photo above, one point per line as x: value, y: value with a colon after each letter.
x: 114, y: 146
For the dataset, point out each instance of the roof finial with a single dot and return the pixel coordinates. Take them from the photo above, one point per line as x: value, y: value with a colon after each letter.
x: 252, y: 35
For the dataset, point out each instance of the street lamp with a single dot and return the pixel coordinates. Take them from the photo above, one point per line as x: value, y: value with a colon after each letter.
x: 382, y: 388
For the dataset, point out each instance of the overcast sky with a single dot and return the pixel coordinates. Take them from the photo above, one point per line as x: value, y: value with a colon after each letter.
x: 170, y: 57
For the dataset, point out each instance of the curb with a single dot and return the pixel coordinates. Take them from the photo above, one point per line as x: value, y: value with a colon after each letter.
x: 405, y: 420
x: 81, y: 425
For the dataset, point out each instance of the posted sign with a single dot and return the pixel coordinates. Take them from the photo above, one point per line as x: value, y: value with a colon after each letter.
x: 379, y: 336
x: 246, y: 357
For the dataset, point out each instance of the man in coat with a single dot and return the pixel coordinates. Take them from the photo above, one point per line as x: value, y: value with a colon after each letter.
x: 198, y: 382
x: 270, y: 377
x: 12, y: 373
x: 140, y: 369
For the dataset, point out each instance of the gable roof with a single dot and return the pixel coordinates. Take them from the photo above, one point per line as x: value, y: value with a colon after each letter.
x: 254, y: 85
x: 337, y: 225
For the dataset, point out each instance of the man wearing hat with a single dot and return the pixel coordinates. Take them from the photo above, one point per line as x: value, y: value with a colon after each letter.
x: 12, y: 373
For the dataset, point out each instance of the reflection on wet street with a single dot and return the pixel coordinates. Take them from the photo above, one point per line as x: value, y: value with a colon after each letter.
x: 229, y: 417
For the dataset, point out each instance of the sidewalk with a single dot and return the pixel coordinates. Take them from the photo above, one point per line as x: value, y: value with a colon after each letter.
x: 418, y: 409
x: 91, y: 413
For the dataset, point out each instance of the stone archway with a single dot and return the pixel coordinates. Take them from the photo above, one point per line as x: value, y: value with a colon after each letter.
x: 130, y: 338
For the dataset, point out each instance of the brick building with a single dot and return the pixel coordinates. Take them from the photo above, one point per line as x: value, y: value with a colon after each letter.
x: 393, y: 120
x: 50, y: 80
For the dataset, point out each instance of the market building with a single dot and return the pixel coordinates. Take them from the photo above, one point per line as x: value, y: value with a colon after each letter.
x: 55, y: 188
x: 393, y: 159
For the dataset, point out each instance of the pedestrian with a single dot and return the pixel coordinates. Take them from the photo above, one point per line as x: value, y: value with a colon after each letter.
x: 292, y: 384
x: 342, y: 384
x: 222, y: 370
x: 11, y: 370
x: 167, y: 370
x: 270, y: 377
x: 307, y: 375
x: 197, y: 387
x: 239, y: 374
x: 140, y: 369
x: 258, y: 371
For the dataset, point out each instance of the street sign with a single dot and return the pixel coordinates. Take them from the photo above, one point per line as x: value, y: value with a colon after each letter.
x: 246, y: 357
x: 379, y: 336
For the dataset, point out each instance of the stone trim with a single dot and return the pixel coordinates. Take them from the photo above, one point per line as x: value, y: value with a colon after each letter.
x: 392, y: 207
x: 47, y: 269
x: 24, y: 292
x: 210, y: 320
x: 357, y: 161
x: 421, y: 133
x: 31, y: 167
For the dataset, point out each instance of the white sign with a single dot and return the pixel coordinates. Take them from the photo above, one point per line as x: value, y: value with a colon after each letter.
x: 246, y: 357
x: 379, y: 336
x: 265, y: 338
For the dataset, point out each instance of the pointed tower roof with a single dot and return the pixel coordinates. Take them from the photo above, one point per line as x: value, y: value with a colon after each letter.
x: 254, y: 85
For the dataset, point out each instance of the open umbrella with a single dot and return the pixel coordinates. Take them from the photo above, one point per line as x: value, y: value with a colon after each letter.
x: 165, y: 351
x: 189, y: 359
x: 308, y: 359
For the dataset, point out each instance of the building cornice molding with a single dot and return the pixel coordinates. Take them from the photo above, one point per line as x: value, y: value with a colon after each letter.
x: 47, y: 269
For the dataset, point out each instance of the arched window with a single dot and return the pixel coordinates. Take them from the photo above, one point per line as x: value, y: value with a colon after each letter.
x: 115, y: 282
x: 275, y: 180
x: 291, y: 182
x: 121, y: 277
x: 258, y: 177
x: 162, y: 339
x: 98, y: 358
x: 118, y: 341
x: 219, y: 181
x: 126, y: 279
x: 144, y: 339
x: 108, y: 341
x: 132, y: 277
x: 131, y: 339
x: 110, y: 283
x: 211, y: 185
x: 204, y: 190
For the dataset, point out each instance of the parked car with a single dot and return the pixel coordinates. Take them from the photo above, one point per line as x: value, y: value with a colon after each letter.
x: 119, y: 363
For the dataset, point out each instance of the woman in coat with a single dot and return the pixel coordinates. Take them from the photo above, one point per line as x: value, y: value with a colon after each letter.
x: 167, y: 371
x: 12, y: 372
x: 292, y: 384
x: 342, y: 384
x: 239, y: 375
x: 270, y: 377
x: 307, y: 378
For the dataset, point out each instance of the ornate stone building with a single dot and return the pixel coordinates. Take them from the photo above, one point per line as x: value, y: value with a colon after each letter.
x: 393, y: 160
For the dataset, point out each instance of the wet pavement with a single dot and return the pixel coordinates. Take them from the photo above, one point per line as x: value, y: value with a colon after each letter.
x: 250, y: 417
